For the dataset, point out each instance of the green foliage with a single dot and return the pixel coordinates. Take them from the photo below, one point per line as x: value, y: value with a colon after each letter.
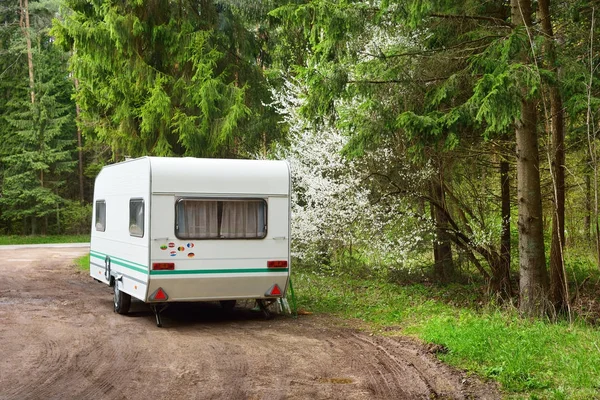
x: 75, y: 218
x: 162, y: 78
x: 37, y: 139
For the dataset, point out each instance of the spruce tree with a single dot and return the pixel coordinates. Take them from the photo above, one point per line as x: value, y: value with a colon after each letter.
x: 168, y: 78
x: 37, y: 139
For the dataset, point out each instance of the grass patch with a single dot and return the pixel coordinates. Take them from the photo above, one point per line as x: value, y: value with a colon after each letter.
x: 83, y: 262
x: 39, y: 239
x: 529, y: 358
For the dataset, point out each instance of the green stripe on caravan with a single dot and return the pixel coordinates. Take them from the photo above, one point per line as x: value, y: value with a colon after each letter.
x: 119, y: 261
x: 143, y: 269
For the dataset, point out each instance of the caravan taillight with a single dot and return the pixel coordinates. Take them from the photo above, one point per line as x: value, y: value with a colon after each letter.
x: 163, y: 266
x: 277, y: 264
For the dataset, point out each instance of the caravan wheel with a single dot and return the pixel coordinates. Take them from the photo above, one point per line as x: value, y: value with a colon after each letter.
x: 122, y: 300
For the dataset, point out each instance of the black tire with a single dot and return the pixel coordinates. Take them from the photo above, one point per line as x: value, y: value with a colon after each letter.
x: 228, y: 305
x: 122, y: 300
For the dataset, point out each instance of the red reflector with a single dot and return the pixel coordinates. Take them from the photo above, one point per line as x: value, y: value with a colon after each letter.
x: 277, y: 264
x: 276, y: 291
x: 159, y: 295
x: 273, y: 291
x: 163, y: 266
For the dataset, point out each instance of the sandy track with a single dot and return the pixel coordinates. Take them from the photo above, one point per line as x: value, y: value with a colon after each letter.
x: 59, y: 339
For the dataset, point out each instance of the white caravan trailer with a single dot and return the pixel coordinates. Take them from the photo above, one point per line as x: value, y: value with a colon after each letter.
x: 189, y: 229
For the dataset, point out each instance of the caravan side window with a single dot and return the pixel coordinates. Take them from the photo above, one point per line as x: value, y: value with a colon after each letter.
x: 100, y: 221
x: 221, y: 219
x: 136, y: 217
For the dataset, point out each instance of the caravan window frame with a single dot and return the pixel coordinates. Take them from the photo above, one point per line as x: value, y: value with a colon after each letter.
x: 132, y: 201
x: 219, y: 236
x: 97, y: 216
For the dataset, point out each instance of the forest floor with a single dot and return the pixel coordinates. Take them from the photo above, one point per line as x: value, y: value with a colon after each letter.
x: 61, y: 339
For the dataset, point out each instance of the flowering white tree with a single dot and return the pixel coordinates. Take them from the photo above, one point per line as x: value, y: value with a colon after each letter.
x: 334, y: 211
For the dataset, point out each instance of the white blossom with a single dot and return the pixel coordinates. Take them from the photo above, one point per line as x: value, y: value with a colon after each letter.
x: 332, y: 207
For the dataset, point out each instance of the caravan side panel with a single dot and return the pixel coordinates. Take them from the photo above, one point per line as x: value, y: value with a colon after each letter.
x: 114, y: 243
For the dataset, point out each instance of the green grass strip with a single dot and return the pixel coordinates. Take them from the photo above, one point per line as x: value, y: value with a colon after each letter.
x: 39, y: 239
x: 83, y: 263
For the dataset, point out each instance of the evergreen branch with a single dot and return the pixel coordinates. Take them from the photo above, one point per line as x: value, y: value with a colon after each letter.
x: 432, y: 51
x: 10, y: 66
x: 383, y: 82
x: 497, y: 21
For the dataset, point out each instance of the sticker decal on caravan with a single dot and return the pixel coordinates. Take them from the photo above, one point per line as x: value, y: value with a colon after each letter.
x: 181, y: 248
x: 191, y: 255
x: 163, y: 246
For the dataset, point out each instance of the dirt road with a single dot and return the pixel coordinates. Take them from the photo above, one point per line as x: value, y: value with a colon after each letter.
x: 59, y: 339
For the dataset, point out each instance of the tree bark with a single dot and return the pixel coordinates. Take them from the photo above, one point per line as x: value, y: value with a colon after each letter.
x: 587, y: 220
x: 533, y: 281
x: 442, y: 249
x: 558, y: 280
x: 79, y: 147
x: 501, y: 273
x: 24, y: 24
x: 532, y: 264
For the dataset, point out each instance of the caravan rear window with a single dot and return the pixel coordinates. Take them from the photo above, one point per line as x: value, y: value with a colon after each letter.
x: 100, y: 221
x: 221, y: 219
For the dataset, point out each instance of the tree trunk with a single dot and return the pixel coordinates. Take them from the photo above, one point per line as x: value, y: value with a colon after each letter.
x: 442, y: 249
x: 24, y: 24
x: 533, y: 273
x: 587, y: 220
x: 79, y: 147
x: 501, y: 273
x: 532, y: 265
x: 558, y: 282
x: 591, y: 135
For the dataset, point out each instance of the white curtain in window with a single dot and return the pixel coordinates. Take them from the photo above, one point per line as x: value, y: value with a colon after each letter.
x: 242, y: 219
x: 200, y: 219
